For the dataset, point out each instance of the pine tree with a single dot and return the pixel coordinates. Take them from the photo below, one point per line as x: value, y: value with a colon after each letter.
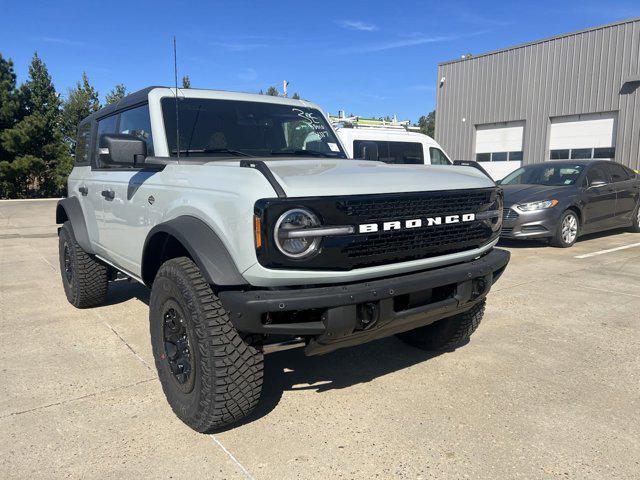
x: 273, y: 91
x: 115, y: 95
x: 81, y: 102
x: 9, y: 102
x: 40, y: 159
x: 186, y: 82
x: 295, y: 96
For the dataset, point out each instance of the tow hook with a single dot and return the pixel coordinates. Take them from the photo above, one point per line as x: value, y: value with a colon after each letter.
x: 368, y: 314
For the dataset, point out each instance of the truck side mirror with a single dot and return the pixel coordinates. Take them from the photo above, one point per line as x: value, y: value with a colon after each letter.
x: 121, y: 149
x: 367, y: 151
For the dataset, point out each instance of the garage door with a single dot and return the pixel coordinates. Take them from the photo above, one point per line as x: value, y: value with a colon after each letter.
x: 500, y: 146
x: 583, y: 136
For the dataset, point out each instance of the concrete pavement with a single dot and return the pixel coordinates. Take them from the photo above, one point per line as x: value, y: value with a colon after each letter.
x: 548, y: 387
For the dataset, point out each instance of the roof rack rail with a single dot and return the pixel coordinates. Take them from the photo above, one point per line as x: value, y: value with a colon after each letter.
x: 355, y: 121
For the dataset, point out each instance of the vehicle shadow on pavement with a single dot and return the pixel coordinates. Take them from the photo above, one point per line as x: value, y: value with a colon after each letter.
x: 542, y: 243
x: 292, y: 371
x: 122, y: 290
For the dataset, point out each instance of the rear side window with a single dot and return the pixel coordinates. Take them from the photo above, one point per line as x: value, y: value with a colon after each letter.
x: 406, y: 152
x: 83, y: 144
x: 392, y: 152
x: 136, y: 121
x: 438, y: 157
x: 618, y: 172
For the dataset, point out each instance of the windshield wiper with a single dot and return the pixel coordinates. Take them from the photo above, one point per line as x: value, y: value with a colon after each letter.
x: 311, y: 153
x: 237, y: 153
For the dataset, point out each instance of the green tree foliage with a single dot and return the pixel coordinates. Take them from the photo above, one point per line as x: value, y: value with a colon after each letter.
x: 9, y: 101
x: 38, y: 159
x: 428, y: 124
x: 273, y: 91
x: 295, y: 96
x: 115, y: 95
x: 186, y: 82
x: 82, y: 101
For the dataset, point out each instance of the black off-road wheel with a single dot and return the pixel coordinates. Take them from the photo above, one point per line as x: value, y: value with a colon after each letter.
x: 85, y: 279
x: 210, y: 373
x: 446, y: 334
x: 567, y: 230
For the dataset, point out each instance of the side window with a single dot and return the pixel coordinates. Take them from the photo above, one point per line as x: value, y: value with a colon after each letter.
x: 136, y: 121
x: 597, y: 174
x: 406, y: 153
x: 383, y: 149
x: 83, y: 144
x: 438, y: 157
x: 105, y: 125
x: 617, y: 172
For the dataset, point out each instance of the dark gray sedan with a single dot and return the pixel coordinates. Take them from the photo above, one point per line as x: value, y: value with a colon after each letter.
x: 563, y: 200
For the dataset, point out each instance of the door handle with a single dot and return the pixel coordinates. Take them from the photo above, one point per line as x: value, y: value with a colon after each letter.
x: 83, y: 190
x: 109, y: 194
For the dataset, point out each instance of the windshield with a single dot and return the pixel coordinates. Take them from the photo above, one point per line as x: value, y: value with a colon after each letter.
x: 237, y: 128
x: 551, y: 175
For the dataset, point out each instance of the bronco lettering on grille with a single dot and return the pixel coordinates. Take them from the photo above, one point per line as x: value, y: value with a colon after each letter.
x: 415, y: 223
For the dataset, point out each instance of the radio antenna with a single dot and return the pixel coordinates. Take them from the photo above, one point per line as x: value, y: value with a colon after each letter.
x: 175, y: 79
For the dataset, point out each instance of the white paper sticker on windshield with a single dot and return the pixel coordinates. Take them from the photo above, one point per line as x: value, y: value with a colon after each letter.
x: 333, y: 147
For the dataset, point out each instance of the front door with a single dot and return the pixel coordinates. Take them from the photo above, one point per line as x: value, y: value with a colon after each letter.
x: 125, y: 224
x: 600, y: 200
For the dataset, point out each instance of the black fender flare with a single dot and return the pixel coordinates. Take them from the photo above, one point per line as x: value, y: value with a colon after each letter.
x: 70, y: 209
x: 204, y: 246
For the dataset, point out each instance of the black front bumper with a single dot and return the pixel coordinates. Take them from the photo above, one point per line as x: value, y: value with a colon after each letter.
x: 342, y: 315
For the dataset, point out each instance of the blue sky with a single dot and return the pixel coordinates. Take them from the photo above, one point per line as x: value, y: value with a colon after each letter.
x: 369, y: 58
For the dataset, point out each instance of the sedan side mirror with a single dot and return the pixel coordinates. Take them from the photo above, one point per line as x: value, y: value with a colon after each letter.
x: 122, y: 149
x: 597, y: 183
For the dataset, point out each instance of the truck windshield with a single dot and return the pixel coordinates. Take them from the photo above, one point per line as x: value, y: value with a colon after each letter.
x: 226, y: 128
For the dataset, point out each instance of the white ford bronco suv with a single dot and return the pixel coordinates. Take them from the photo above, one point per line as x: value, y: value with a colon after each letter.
x: 252, y: 229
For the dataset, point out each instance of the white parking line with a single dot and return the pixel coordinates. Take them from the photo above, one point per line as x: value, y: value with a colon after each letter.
x: 234, y: 459
x: 602, y: 252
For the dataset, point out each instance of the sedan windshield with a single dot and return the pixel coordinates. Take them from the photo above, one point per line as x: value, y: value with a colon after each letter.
x: 545, y: 174
x: 233, y: 128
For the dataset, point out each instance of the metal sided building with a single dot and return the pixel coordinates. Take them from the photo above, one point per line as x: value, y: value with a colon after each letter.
x: 571, y: 96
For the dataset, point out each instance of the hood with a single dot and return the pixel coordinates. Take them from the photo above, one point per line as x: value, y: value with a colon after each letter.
x: 327, y: 177
x: 514, y: 194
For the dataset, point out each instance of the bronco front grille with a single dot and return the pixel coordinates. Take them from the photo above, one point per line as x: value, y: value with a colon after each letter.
x: 358, y: 250
x: 427, y: 204
x: 408, y: 245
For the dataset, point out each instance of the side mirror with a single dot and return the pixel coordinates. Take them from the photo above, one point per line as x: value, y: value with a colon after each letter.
x: 367, y: 151
x: 597, y: 183
x: 122, y: 149
x: 472, y: 163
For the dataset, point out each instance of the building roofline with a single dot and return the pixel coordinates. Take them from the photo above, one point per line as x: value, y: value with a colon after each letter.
x: 544, y: 40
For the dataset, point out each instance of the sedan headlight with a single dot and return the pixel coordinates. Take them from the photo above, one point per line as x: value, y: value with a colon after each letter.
x: 533, y: 206
x: 289, y: 233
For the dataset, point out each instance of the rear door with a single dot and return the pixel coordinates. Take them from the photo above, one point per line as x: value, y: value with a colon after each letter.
x: 124, y: 225
x: 600, y: 199
x: 626, y: 191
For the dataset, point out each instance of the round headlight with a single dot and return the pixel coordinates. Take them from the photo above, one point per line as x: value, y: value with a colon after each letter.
x: 289, y: 235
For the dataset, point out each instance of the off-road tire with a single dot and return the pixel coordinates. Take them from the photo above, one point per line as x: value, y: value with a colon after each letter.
x: 635, y: 226
x: 227, y: 366
x: 557, y: 240
x: 87, y: 283
x: 447, y: 334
